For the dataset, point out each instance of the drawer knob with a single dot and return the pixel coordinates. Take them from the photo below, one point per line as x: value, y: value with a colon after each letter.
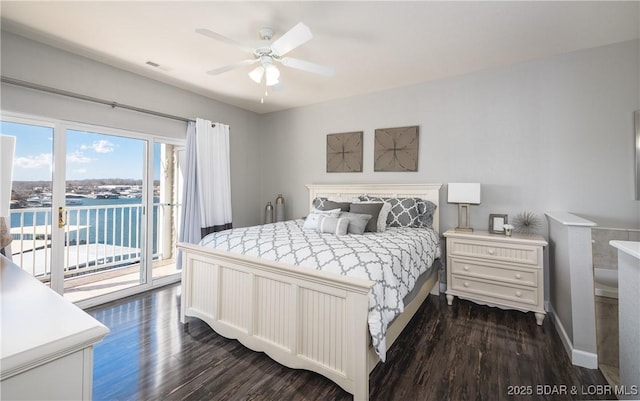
x: 518, y: 276
x: 518, y: 294
x: 466, y: 283
x: 490, y: 251
x: 466, y: 268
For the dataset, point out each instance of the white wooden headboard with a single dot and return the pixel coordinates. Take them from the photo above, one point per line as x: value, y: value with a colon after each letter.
x: 350, y: 192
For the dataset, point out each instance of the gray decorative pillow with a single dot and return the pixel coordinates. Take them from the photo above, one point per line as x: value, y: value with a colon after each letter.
x: 372, y: 209
x: 326, y: 204
x: 333, y: 225
x: 382, y: 217
x: 405, y: 212
x: 357, y: 222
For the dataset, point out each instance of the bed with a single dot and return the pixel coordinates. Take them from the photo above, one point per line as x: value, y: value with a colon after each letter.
x: 301, y: 317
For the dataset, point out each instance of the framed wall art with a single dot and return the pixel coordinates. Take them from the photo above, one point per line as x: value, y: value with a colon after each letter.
x: 396, y: 149
x: 344, y: 152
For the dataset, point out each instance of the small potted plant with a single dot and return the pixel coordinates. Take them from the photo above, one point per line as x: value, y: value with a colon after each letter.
x: 508, y: 229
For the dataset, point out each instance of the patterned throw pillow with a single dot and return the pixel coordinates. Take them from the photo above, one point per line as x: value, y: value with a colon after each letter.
x: 326, y: 204
x: 406, y: 212
x: 426, y: 219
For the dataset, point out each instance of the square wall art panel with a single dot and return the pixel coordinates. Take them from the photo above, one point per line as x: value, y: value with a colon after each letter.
x: 396, y: 149
x: 344, y: 152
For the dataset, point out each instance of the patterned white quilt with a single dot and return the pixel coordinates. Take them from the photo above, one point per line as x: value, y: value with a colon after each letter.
x: 393, y: 259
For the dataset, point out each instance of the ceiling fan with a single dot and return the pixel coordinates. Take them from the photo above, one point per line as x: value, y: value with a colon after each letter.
x: 267, y: 53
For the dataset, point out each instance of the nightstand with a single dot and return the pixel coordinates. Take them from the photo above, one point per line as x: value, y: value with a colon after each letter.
x: 496, y: 270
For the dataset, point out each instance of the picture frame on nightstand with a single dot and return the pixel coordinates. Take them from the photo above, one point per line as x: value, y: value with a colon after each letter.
x: 496, y: 221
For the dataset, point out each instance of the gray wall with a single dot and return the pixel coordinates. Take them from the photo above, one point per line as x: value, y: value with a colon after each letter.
x: 552, y: 134
x: 34, y: 62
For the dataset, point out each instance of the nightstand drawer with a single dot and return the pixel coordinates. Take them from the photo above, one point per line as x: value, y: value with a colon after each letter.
x: 523, y: 276
x: 518, y: 253
x: 490, y: 290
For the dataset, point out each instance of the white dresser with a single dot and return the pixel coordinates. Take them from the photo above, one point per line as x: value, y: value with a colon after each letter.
x: 47, y: 342
x: 496, y: 270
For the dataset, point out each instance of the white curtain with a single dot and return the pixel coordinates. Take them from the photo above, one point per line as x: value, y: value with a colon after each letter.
x: 214, y: 176
x: 206, y: 195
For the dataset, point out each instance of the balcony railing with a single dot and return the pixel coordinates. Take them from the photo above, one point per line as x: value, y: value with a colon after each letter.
x: 99, y: 237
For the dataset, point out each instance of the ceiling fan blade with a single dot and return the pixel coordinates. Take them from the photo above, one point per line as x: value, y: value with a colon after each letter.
x: 293, y: 38
x: 229, y: 67
x: 217, y: 36
x: 307, y: 66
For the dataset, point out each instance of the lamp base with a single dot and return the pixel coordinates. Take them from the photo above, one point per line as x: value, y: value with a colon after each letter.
x: 463, y: 227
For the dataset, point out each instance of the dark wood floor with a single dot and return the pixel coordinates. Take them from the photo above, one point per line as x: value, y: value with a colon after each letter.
x: 462, y: 352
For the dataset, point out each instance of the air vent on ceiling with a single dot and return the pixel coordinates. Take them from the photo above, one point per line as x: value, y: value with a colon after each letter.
x: 158, y: 66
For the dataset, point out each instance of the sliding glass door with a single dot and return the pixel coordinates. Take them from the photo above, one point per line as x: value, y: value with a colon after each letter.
x: 93, y: 210
x: 104, y: 213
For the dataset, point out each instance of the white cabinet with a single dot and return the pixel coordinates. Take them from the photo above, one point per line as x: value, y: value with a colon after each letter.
x: 47, y: 342
x: 496, y: 270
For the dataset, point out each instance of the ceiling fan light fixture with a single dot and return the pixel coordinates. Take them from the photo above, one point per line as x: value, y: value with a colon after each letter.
x: 272, y: 73
x: 256, y: 74
x: 267, y: 52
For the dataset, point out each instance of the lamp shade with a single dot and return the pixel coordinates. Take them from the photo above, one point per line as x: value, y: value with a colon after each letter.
x: 272, y: 73
x: 464, y: 193
x: 256, y: 74
x: 7, y: 148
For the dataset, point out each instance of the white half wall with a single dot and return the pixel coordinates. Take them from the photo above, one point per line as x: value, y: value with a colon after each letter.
x: 571, y: 280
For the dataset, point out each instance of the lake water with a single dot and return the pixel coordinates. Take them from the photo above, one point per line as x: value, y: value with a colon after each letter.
x: 107, y: 221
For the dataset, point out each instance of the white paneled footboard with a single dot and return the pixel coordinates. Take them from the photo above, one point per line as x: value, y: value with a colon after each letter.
x: 301, y: 318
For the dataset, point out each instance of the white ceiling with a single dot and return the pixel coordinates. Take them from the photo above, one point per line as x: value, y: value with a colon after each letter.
x: 372, y: 46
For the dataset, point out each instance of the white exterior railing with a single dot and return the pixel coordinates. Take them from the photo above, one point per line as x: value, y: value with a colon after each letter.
x: 98, y: 237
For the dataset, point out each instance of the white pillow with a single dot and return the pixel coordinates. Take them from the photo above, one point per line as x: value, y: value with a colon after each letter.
x: 382, y: 216
x: 312, y: 220
x: 333, y: 225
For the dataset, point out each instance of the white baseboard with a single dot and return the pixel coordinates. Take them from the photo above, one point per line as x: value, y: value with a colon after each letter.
x: 564, y: 337
x: 579, y: 358
x: 584, y: 359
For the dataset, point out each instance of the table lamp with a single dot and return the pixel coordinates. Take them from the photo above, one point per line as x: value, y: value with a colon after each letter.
x: 464, y: 194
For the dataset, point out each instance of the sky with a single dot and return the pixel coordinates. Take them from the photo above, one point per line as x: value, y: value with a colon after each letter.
x: 88, y: 155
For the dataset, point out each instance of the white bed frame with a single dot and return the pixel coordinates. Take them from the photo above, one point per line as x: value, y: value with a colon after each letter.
x: 301, y: 318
